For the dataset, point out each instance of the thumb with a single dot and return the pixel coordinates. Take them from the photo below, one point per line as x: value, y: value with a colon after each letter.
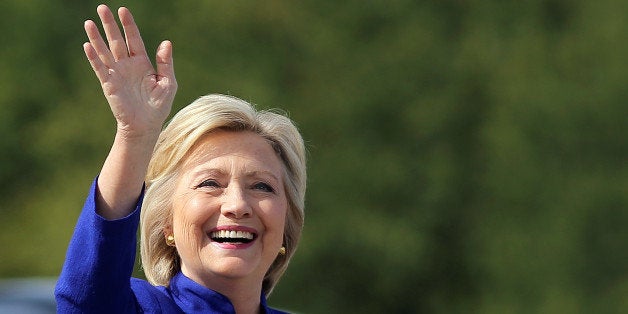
x: 164, y: 60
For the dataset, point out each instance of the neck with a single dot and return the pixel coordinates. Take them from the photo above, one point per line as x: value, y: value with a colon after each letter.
x: 246, y: 305
x: 243, y: 293
x: 245, y: 297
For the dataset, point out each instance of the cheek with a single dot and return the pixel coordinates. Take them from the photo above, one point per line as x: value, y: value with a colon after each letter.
x: 191, y: 213
x: 274, y: 215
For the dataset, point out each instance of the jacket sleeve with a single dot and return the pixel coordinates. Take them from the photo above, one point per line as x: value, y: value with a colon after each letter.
x: 99, y: 263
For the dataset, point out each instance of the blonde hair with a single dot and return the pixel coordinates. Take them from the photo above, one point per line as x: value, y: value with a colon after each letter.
x: 212, y: 112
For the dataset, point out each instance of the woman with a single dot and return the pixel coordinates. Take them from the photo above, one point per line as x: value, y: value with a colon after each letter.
x: 222, y: 211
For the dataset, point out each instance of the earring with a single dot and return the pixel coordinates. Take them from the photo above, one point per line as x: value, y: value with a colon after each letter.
x: 170, y: 240
x: 282, y: 250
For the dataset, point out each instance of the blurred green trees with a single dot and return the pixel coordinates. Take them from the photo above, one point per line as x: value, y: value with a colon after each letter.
x: 465, y: 156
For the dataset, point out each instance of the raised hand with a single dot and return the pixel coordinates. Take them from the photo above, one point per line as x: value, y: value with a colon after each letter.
x: 140, y: 97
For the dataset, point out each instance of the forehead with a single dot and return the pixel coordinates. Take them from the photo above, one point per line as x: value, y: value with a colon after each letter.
x: 228, y: 146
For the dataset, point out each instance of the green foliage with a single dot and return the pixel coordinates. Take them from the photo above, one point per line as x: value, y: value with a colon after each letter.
x: 465, y: 156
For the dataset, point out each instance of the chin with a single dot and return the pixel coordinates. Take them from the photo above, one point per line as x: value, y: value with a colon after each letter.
x: 234, y: 267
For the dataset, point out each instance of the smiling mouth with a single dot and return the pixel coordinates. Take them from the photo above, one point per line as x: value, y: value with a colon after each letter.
x: 231, y: 236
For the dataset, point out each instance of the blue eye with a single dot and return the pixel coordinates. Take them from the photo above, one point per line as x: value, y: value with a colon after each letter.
x: 263, y: 187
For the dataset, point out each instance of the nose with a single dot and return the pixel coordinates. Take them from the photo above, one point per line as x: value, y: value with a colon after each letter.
x: 235, y: 204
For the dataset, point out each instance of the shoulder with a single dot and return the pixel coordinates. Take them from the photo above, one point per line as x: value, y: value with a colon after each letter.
x: 152, y: 299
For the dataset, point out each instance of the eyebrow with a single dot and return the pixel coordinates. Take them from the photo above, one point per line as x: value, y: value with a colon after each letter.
x: 256, y: 173
x: 247, y: 174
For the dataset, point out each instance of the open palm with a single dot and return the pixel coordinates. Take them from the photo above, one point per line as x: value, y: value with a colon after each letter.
x: 140, y: 97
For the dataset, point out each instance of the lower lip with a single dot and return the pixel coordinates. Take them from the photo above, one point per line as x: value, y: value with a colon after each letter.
x: 233, y: 246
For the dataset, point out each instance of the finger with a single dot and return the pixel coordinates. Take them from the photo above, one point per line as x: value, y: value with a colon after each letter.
x: 101, y: 70
x: 165, y: 66
x: 114, y: 37
x: 131, y: 32
x: 97, y: 43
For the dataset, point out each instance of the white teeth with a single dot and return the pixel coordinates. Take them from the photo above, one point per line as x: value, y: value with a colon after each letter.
x: 224, y: 234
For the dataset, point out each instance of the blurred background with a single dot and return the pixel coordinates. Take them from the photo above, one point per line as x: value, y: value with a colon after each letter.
x: 464, y: 156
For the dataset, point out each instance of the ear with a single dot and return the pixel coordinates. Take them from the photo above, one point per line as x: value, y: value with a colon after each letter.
x: 167, y: 231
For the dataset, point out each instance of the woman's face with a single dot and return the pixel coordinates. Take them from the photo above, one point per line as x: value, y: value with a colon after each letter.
x: 229, y: 208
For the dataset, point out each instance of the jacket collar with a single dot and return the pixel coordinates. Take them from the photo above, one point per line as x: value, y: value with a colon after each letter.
x: 192, y: 297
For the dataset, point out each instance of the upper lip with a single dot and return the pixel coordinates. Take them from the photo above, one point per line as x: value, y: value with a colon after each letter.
x: 234, y: 228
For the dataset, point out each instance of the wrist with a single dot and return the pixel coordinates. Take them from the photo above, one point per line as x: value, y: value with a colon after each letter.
x: 148, y: 137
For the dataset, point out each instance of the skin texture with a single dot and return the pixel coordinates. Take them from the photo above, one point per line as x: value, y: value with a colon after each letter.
x: 140, y: 97
x: 229, y: 180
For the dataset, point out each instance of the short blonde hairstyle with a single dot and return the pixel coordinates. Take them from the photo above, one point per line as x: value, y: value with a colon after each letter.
x: 209, y: 113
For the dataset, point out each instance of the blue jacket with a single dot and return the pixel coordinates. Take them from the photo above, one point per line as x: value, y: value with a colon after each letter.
x: 96, y: 275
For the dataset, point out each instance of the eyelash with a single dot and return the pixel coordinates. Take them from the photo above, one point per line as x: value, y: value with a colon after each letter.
x: 264, y: 187
x: 256, y: 186
x: 208, y: 183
